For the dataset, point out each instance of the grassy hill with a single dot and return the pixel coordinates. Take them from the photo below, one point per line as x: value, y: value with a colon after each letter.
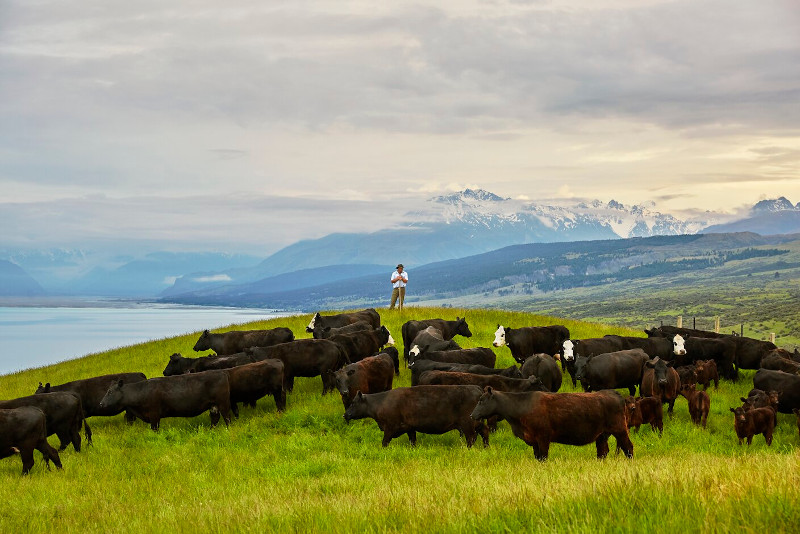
x: 306, y: 470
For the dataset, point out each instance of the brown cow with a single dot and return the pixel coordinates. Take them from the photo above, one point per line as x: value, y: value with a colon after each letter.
x: 706, y: 371
x: 644, y: 410
x: 751, y: 422
x: 370, y: 375
x: 540, y: 419
x: 699, y: 403
x: 780, y: 360
x: 661, y: 381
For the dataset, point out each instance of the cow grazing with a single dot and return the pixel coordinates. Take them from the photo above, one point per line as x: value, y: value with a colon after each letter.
x: 705, y: 372
x: 173, y: 396
x: 661, y: 381
x: 574, y: 348
x: 63, y: 411
x: 426, y: 409
x: 429, y: 339
x: 621, y: 369
x: 343, y: 319
x: 529, y: 340
x: 475, y: 356
x: 420, y: 366
x: 178, y: 365
x: 540, y: 419
x: 748, y: 423
x: 24, y: 430
x: 655, y: 347
x: 228, y: 343
x: 321, y: 332
x: 644, y: 410
x: 447, y: 329
x: 699, y: 404
x: 250, y: 382
x: 786, y: 384
x: 497, y: 382
x: 307, y: 358
x: 92, y: 390
x: 364, y: 343
x: 370, y: 375
x: 395, y: 355
x: 780, y: 360
x: 721, y: 350
x: 672, y: 331
x: 545, y: 368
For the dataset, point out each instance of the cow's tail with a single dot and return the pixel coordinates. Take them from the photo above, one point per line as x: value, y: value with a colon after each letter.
x: 344, y: 359
x: 404, y: 333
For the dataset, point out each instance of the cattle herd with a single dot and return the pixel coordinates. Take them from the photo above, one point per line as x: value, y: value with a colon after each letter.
x: 452, y: 388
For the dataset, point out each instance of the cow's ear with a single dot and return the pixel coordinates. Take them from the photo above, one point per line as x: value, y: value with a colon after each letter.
x: 40, y: 384
x: 175, y: 356
x: 731, y: 409
x: 488, y: 390
x: 206, y: 332
x: 120, y: 383
x: 359, y: 396
x: 742, y: 399
x: 557, y: 356
x: 649, y: 364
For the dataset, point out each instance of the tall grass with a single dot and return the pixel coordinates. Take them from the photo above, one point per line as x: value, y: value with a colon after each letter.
x: 306, y: 470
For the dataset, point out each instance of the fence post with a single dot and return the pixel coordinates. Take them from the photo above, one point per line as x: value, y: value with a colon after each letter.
x: 772, y: 337
x: 716, y: 324
x: 680, y: 321
x: 694, y: 323
x: 742, y: 330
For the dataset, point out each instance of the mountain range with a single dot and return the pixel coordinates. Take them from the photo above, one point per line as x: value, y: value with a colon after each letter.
x: 447, y: 227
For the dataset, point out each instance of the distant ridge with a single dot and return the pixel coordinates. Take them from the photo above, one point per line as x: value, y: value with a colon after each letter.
x: 15, y: 282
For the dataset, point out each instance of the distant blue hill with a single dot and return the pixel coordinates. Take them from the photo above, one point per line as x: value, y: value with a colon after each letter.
x: 763, y: 222
x: 15, y: 282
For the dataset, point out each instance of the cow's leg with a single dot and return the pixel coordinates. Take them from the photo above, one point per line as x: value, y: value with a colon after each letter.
x: 280, y: 400
x: 484, y: 430
x: 88, y: 432
x: 412, y: 437
x: 288, y: 383
x: 624, y: 442
x: 388, y: 435
x: 154, y: 423
x: 26, y: 453
x: 632, y: 390
x: 671, y: 403
x: 214, y: 414
x: 49, y: 453
x: 64, y: 440
x: 541, y: 449
x: 768, y: 436
x: 75, y: 438
x: 129, y: 418
x: 234, y: 409
x: 749, y: 439
x: 602, y: 446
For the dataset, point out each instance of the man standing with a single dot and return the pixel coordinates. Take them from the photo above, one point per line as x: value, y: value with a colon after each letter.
x: 399, y: 281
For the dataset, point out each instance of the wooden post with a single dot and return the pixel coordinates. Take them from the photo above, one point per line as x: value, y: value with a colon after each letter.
x: 694, y: 323
x: 716, y: 324
x: 680, y: 321
x: 772, y: 337
x: 741, y: 331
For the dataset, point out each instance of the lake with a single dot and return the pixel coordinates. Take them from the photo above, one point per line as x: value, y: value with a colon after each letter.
x: 36, y: 336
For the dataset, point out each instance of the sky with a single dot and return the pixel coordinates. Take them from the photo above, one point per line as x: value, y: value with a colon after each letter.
x: 247, y: 125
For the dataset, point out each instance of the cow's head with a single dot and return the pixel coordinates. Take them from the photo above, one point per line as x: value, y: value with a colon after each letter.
x: 342, y: 379
x: 177, y: 365
x: 567, y: 346
x: 386, y: 336
x: 659, y: 368
x: 580, y: 367
x: 43, y: 388
x: 412, y: 355
x: 113, y: 397
x: 499, y: 336
x: 310, y: 327
x: 487, y: 405
x: 688, y: 389
x: 678, y: 347
x: 739, y: 414
x: 203, y: 342
x: 358, y: 409
x: 535, y: 384
x: 462, y: 328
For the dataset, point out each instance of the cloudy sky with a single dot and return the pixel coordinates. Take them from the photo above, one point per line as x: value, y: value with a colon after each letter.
x: 223, y: 125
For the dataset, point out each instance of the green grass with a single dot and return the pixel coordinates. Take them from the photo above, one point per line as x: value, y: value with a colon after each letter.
x: 306, y: 470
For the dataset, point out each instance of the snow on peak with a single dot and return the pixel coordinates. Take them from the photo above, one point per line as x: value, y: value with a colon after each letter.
x: 470, y: 195
x: 774, y: 205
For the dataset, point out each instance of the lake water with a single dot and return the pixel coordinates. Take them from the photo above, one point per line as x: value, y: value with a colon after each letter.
x: 37, y: 336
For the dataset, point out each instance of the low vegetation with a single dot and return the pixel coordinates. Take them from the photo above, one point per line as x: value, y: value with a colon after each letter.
x: 306, y: 470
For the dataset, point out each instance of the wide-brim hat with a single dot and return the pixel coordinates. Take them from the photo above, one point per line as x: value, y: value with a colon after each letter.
x: 399, y: 265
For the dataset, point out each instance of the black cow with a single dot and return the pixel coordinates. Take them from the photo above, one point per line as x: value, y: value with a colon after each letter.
x: 343, y: 319
x: 498, y: 382
x: 780, y: 360
x: 530, y: 340
x: 540, y: 419
x: 173, y: 396
x: 721, y: 350
x: 447, y: 329
x: 364, y: 343
x: 370, y: 375
x: 430, y: 339
x: 23, y: 430
x: 250, y: 382
x: 621, y: 369
x: 786, y: 384
x: 178, y: 365
x: 545, y: 368
x: 420, y: 366
x: 655, y: 347
x: 670, y: 332
x: 321, y: 332
x: 239, y: 340
x: 64, y: 413
x: 750, y: 352
x: 573, y: 348
x: 92, y: 390
x: 307, y: 358
x: 474, y: 356
x: 426, y: 409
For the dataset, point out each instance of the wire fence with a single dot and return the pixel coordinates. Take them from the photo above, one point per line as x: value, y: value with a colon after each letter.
x: 714, y: 324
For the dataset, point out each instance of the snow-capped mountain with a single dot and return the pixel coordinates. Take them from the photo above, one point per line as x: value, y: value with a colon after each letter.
x: 774, y: 206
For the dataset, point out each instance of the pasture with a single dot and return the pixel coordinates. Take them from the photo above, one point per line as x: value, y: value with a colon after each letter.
x: 306, y: 470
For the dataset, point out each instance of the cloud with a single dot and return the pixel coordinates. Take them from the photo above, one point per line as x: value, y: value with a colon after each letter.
x: 213, y: 278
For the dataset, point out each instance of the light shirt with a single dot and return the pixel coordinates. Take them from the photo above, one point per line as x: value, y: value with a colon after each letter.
x: 399, y: 283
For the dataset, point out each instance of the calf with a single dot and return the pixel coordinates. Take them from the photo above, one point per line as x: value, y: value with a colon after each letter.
x: 540, y: 419
x: 575, y: 348
x: 326, y: 332
x: 762, y: 399
x: 645, y: 410
x: 699, y: 404
x: 621, y: 369
x: 661, y: 381
x: 706, y: 371
x: 173, y: 396
x: 228, y: 343
x: 426, y: 409
x: 250, y: 382
x: 307, y: 358
x: 748, y: 423
x: 545, y: 368
x: 475, y: 356
x: 23, y: 430
x: 420, y: 366
x: 63, y: 411
x: 343, y: 319
x: 429, y: 339
x: 528, y: 340
x: 497, y: 382
x: 364, y: 343
x: 687, y: 374
x: 178, y: 365
x: 370, y: 375
x: 91, y: 392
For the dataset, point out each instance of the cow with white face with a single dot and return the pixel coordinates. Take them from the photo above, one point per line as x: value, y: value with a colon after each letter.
x: 526, y: 341
x: 499, y: 336
x: 678, y: 347
x: 567, y: 346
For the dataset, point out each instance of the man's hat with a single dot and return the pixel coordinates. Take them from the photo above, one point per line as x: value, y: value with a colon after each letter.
x: 399, y: 265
